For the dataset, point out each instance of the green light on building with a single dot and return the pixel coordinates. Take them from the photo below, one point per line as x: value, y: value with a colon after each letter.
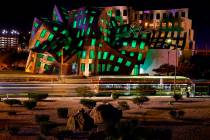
x: 105, y: 55
x: 100, y: 44
x: 55, y: 28
x: 133, y: 44
x: 93, y: 42
x: 111, y: 57
x: 139, y: 57
x: 49, y: 58
x: 43, y: 33
x: 125, y: 44
x: 142, y: 45
x: 108, y: 68
x: 91, y: 19
x: 59, y: 53
x: 103, y: 67
x: 37, y: 43
x: 88, y: 31
x: 50, y: 37
x: 80, y: 43
x: 83, y: 54
x: 82, y: 67
x: 92, y: 54
x: 36, y: 25
x: 128, y: 63
x: 78, y: 34
x: 120, y: 60
x: 99, y: 55
x: 123, y: 52
x: 131, y: 54
x: 91, y: 67
x: 136, y: 70
x: 116, y: 68
x: 74, y: 24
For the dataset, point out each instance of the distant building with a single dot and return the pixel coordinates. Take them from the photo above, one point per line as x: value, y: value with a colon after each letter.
x: 9, y: 39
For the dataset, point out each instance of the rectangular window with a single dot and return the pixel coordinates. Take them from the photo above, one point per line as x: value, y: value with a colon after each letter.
x: 141, y: 17
x: 37, y: 43
x: 131, y: 53
x: 91, y: 67
x: 91, y: 20
x: 105, y: 55
x: 83, y: 54
x: 50, y: 37
x: 116, y: 68
x: 133, y: 44
x: 49, y: 58
x: 103, y: 67
x: 100, y: 44
x: 36, y: 24
x: 75, y: 24
x: 93, y: 42
x: 43, y: 33
x: 99, y: 55
x: 136, y: 70
x: 84, y: 21
x: 128, y: 63
x: 183, y: 14
x: 83, y: 67
x: 80, y: 43
x: 78, y: 34
x: 142, y: 45
x: 108, y: 68
x: 125, y: 12
x: 55, y: 28
x: 125, y: 44
x: 120, y: 60
x: 88, y: 31
x: 111, y: 57
x: 92, y: 54
x: 118, y: 13
x: 139, y: 57
x: 123, y: 52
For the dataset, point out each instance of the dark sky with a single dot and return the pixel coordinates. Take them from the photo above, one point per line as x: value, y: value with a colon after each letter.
x: 19, y: 14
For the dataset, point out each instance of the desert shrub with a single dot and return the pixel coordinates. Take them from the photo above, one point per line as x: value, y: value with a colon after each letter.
x: 37, y: 96
x: 123, y: 105
x: 177, y: 96
x: 12, y: 102
x: 46, y: 127
x: 12, y: 112
x: 13, y: 130
x: 88, y: 103
x: 30, y: 104
x: 62, y: 112
x: 115, y: 96
x: 140, y: 100
x: 84, y: 91
x: 103, y: 94
x: 42, y: 118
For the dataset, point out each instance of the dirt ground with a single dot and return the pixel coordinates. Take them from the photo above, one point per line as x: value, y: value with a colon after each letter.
x: 195, y: 125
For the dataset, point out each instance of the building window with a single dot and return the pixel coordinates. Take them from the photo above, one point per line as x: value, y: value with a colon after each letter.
x: 136, y: 17
x: 37, y: 43
x: 176, y: 15
x: 128, y: 63
x: 158, y: 16
x: 108, y: 67
x: 93, y: 42
x: 139, y: 57
x: 118, y: 13
x: 164, y: 15
x: 142, y: 45
x: 83, y: 67
x: 111, y: 57
x: 170, y: 15
x: 91, y: 67
x: 43, y: 33
x: 133, y: 44
x: 91, y: 19
x: 83, y: 54
x: 151, y: 16
x: 116, y: 68
x: 125, y: 12
x: 125, y: 43
x: 99, y: 55
x: 120, y: 60
x: 51, y: 36
x: 92, y: 54
x: 105, y: 55
x: 132, y: 54
x: 183, y: 14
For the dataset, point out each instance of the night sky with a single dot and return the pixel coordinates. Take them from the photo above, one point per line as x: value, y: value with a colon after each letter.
x: 19, y: 14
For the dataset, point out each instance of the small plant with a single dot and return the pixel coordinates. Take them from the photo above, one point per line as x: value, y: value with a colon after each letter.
x: 88, y: 103
x: 37, y: 96
x: 42, y: 118
x: 123, y: 105
x: 12, y: 112
x: 30, y: 104
x: 62, y: 112
x: 140, y: 100
x: 177, y: 96
x: 12, y: 102
x: 115, y: 96
x: 13, y: 130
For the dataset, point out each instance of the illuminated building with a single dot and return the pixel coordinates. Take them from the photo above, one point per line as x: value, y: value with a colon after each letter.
x: 105, y: 41
x: 8, y: 39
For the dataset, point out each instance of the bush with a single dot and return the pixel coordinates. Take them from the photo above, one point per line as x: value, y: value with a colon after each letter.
x: 140, y: 100
x: 62, y: 112
x: 115, y: 96
x: 12, y: 112
x: 42, y: 118
x: 88, y: 103
x: 46, y: 127
x: 12, y: 102
x: 37, y: 96
x: 177, y: 96
x: 13, y: 130
x: 30, y: 104
x: 123, y: 105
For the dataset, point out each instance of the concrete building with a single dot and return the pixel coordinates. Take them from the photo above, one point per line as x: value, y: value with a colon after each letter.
x: 8, y: 39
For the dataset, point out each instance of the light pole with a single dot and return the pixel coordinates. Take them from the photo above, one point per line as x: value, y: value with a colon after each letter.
x: 175, y: 70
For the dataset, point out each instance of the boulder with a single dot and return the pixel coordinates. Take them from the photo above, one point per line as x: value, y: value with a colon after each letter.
x: 81, y: 121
